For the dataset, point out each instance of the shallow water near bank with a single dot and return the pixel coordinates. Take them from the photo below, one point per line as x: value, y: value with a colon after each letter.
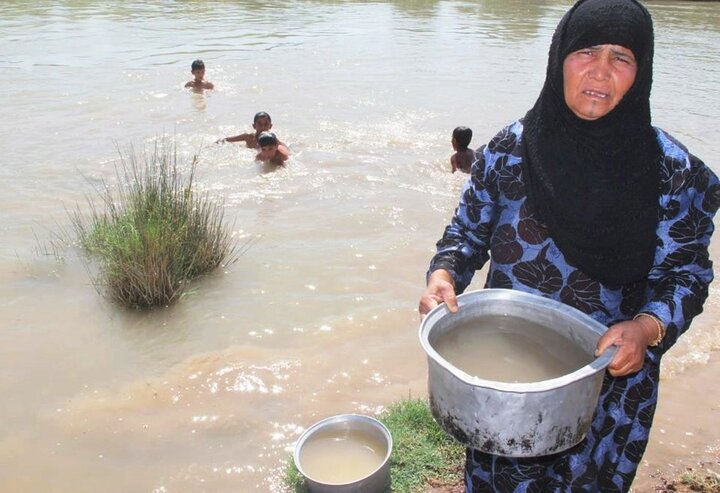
x: 318, y: 316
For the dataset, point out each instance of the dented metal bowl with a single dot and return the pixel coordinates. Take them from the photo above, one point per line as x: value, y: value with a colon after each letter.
x: 514, y: 419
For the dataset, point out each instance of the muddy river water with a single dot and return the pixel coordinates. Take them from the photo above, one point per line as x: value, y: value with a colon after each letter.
x: 318, y: 315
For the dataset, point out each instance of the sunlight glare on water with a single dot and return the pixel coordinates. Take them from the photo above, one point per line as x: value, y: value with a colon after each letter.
x: 318, y: 316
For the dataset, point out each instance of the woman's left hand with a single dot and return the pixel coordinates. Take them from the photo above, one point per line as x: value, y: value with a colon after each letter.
x: 631, y: 338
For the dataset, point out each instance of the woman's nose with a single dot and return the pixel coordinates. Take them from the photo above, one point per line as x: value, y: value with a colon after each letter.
x: 602, y: 67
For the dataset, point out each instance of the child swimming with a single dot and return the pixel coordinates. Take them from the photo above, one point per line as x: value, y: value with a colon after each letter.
x: 271, y: 149
x: 463, y: 157
x: 197, y: 68
x: 261, y: 123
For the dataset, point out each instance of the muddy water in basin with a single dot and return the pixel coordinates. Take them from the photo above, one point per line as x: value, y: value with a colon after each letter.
x: 510, y: 349
x: 340, y: 457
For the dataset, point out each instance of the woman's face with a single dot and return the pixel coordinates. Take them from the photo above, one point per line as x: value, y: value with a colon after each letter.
x: 595, y: 79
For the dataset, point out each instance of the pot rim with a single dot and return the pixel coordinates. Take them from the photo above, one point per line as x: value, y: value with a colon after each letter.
x: 341, y: 418
x: 490, y: 294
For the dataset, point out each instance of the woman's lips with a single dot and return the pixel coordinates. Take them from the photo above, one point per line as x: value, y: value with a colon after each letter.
x: 595, y: 94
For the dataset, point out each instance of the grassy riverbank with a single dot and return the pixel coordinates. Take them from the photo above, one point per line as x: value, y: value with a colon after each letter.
x: 423, y: 454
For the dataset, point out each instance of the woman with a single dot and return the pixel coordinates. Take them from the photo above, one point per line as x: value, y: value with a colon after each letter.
x: 583, y: 201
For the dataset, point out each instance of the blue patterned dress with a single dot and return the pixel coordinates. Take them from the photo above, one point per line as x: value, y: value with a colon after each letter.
x: 493, y: 222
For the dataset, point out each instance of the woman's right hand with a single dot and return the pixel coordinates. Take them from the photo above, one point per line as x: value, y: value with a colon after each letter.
x: 440, y: 289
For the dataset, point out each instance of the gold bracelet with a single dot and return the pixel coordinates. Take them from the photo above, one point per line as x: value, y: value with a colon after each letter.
x: 658, y: 323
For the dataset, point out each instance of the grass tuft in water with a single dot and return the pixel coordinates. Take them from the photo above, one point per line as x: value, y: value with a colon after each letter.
x: 422, y: 452
x: 154, y: 233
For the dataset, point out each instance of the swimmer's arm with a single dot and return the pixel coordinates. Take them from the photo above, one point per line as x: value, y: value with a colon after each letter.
x: 235, y: 138
x: 453, y: 162
x: 209, y: 85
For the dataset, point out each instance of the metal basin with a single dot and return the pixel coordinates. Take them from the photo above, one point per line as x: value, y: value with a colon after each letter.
x: 514, y: 419
x: 376, y: 481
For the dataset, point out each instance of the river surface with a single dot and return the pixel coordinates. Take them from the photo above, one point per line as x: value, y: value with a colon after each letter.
x: 318, y: 315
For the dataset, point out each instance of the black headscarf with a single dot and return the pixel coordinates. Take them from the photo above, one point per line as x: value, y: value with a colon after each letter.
x: 595, y: 183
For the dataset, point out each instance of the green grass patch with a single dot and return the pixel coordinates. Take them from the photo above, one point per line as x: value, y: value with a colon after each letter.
x: 422, y: 452
x: 152, y: 234
x: 704, y: 482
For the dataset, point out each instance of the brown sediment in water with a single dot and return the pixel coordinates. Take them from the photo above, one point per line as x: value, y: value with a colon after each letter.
x: 509, y: 349
x: 341, y: 456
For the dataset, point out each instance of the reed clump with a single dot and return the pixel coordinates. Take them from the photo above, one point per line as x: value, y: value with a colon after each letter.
x: 153, y: 233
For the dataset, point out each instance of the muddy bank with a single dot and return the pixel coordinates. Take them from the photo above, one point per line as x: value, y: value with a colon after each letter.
x: 686, y: 431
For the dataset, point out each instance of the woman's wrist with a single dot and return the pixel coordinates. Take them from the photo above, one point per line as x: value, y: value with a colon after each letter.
x: 656, y: 327
x: 442, y: 274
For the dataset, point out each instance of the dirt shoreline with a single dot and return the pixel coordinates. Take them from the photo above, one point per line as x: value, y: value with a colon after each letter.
x: 686, y: 428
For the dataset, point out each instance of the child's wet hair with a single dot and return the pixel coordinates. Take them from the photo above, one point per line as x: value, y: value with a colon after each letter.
x: 197, y: 65
x: 261, y: 114
x: 267, y: 139
x: 463, y: 136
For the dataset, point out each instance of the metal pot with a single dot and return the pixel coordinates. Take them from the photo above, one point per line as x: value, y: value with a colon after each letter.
x: 376, y: 481
x: 514, y: 419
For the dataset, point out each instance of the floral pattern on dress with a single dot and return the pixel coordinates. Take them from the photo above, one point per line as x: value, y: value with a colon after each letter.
x: 494, y: 222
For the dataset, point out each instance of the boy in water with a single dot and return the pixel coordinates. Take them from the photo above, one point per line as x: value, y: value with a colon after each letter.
x: 464, y: 157
x: 271, y: 149
x: 261, y: 123
x: 199, y: 83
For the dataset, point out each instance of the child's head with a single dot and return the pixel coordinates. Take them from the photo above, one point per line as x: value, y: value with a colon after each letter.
x: 198, y: 69
x: 268, y: 144
x: 267, y: 139
x: 461, y: 137
x: 262, y: 123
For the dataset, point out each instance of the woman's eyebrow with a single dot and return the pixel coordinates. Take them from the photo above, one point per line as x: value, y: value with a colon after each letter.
x: 626, y: 54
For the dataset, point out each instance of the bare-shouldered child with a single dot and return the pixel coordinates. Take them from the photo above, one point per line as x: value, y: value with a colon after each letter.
x: 463, y: 157
x: 197, y: 68
x: 261, y: 123
x: 271, y: 150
